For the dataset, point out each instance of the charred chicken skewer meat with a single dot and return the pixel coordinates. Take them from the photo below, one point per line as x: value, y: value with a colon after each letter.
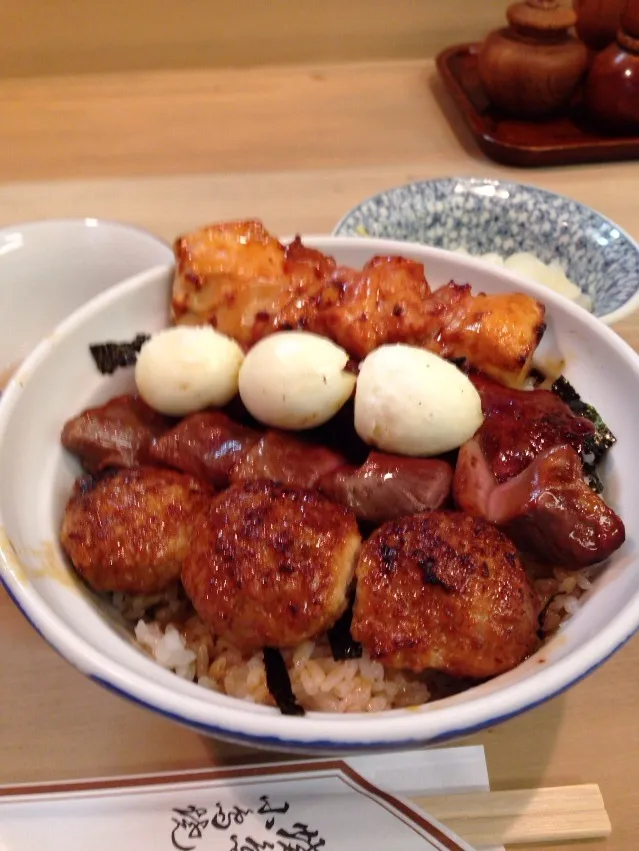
x: 247, y: 284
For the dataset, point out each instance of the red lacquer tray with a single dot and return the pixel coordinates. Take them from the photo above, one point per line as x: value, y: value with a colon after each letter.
x: 561, y: 141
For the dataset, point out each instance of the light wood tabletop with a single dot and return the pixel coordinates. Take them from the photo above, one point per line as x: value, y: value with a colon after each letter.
x: 296, y: 147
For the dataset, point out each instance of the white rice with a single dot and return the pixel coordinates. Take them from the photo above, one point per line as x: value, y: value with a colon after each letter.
x: 167, y: 647
x: 560, y: 596
x: 318, y: 681
x: 168, y: 630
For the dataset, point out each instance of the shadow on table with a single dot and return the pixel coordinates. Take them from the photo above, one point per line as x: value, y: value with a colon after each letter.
x: 519, y: 751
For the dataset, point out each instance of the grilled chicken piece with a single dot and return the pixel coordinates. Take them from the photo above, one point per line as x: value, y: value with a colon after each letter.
x: 362, y: 310
x: 282, y: 458
x: 117, y: 434
x: 131, y: 530
x: 306, y: 275
x: 225, y: 275
x: 548, y: 509
x: 389, y: 486
x: 497, y: 334
x: 271, y: 566
x: 444, y: 591
x: 245, y: 283
x: 207, y: 445
x: 518, y: 425
x: 390, y: 301
x: 236, y: 276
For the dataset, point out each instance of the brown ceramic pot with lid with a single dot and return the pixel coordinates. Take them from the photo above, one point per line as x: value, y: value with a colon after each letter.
x: 598, y: 21
x: 611, y: 95
x: 532, y: 68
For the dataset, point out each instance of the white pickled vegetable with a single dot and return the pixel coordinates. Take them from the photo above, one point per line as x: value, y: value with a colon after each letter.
x: 551, y: 275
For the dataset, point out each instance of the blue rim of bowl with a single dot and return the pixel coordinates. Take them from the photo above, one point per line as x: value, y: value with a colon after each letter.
x: 269, y: 729
x: 317, y: 745
x: 607, y: 318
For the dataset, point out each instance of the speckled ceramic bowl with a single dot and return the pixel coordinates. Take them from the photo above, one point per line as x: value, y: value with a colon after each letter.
x: 494, y: 215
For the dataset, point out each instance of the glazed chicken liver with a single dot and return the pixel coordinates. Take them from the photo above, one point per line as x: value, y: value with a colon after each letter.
x: 547, y: 509
x: 117, y: 434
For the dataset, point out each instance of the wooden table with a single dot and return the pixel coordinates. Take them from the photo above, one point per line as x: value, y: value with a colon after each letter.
x: 296, y: 147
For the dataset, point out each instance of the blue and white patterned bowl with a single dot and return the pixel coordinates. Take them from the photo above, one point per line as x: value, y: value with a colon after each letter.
x: 492, y: 215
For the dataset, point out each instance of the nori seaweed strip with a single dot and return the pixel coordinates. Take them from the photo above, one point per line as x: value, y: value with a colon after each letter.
x: 279, y: 683
x: 541, y: 619
x: 592, y: 478
x: 536, y: 376
x: 594, y: 447
x: 111, y: 356
x: 343, y: 645
x: 461, y: 364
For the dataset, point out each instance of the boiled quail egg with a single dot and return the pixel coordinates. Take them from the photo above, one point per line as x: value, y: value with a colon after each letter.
x: 295, y: 380
x: 409, y: 401
x: 184, y: 369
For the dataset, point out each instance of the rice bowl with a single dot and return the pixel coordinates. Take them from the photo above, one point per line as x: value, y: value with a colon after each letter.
x: 89, y: 633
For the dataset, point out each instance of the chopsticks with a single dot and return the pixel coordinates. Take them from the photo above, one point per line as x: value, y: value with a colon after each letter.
x: 521, y: 816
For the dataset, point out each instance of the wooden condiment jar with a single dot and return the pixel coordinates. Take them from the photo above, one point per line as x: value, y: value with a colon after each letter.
x: 611, y: 94
x: 532, y: 68
x: 598, y: 21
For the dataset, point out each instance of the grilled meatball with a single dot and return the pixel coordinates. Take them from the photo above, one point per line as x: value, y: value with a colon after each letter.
x: 445, y: 591
x: 131, y: 530
x: 270, y: 566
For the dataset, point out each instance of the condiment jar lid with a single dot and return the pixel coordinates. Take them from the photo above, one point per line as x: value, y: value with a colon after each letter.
x: 541, y: 15
x: 629, y: 21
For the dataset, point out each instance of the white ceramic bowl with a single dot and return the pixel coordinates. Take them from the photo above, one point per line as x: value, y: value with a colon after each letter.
x: 51, y: 267
x: 59, y: 380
